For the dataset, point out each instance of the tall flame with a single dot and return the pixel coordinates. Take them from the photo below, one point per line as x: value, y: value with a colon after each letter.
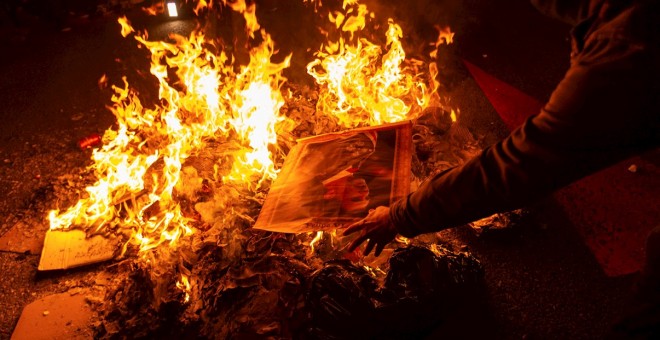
x: 139, y: 166
x: 316, y: 239
x: 203, y: 96
x: 363, y: 83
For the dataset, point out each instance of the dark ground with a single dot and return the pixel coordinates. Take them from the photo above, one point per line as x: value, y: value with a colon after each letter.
x: 542, y: 280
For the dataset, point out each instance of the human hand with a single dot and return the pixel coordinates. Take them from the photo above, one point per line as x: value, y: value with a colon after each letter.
x: 376, y: 227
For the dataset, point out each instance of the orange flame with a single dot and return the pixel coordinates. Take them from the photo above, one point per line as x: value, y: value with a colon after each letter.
x: 445, y: 36
x: 402, y: 239
x: 155, y: 9
x: 249, y: 13
x: 126, y: 28
x: 103, y: 82
x: 363, y: 83
x: 139, y: 166
x: 184, y: 285
x: 316, y: 239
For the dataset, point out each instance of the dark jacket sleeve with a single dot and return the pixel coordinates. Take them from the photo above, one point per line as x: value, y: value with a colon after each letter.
x: 604, y: 110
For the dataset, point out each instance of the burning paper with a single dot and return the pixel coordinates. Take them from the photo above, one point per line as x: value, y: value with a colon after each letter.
x: 331, y: 180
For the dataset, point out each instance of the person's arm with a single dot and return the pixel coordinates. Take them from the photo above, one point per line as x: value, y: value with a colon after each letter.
x: 604, y: 110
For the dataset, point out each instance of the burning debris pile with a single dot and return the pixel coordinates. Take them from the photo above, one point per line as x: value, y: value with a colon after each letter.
x: 277, y: 289
x: 180, y: 185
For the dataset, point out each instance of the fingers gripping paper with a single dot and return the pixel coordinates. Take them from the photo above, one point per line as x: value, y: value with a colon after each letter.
x: 331, y: 180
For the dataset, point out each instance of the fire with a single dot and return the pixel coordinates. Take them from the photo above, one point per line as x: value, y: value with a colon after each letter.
x: 140, y: 169
x: 445, y: 36
x: 184, y: 285
x: 155, y: 9
x: 374, y: 271
x: 402, y: 239
x: 126, y: 28
x: 316, y: 239
x: 256, y: 105
x: 249, y: 13
x: 139, y: 166
x: 103, y: 81
x: 363, y: 83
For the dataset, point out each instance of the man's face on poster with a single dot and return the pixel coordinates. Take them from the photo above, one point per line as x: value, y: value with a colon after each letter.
x: 329, y: 180
x: 356, y: 195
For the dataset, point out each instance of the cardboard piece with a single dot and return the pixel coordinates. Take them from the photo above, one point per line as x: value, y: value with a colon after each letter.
x: 58, y: 316
x: 19, y: 239
x: 72, y: 248
x: 332, y: 180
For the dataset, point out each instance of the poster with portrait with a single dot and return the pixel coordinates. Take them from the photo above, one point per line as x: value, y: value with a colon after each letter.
x: 332, y: 180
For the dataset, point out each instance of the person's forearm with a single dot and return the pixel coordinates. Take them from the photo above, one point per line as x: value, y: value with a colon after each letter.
x: 505, y: 176
x: 524, y: 167
x: 604, y: 110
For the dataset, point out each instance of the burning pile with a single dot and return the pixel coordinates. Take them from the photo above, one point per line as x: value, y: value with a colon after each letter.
x: 182, y: 182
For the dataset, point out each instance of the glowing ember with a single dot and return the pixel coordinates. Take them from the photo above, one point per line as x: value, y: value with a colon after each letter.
x: 402, y: 240
x: 184, y: 285
x: 319, y: 235
x: 375, y: 271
